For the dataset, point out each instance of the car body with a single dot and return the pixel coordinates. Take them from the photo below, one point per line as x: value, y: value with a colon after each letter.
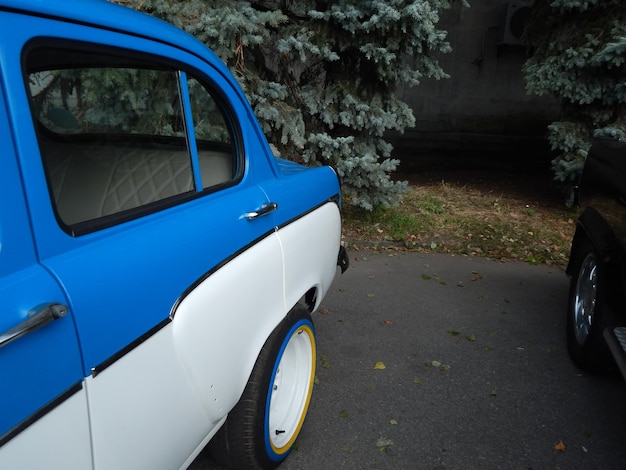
x: 596, y: 318
x: 154, y: 254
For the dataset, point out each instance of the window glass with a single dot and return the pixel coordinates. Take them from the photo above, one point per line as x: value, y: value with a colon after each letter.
x: 113, y: 138
x: 214, y: 141
x: 108, y: 100
x: 208, y: 121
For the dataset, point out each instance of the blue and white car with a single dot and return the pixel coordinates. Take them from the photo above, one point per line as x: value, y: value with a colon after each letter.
x: 158, y: 265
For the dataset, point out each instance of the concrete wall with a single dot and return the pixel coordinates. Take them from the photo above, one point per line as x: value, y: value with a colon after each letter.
x: 484, y: 104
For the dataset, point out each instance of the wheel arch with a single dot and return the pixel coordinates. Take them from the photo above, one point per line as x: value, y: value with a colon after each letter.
x: 310, y: 245
x: 593, y: 230
x: 245, y: 440
x: 311, y: 298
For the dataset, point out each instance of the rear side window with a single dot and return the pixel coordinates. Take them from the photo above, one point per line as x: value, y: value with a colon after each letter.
x: 122, y: 137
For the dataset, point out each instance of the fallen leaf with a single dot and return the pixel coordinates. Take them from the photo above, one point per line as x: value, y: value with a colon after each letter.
x: 393, y: 422
x: 454, y: 332
x: 417, y: 380
x: 343, y: 414
x: 560, y: 447
x: 383, y: 442
x: 379, y: 365
x: 426, y: 277
x: 388, y: 322
x: 442, y: 367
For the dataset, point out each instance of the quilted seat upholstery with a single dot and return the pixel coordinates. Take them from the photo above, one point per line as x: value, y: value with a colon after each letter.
x: 91, y: 180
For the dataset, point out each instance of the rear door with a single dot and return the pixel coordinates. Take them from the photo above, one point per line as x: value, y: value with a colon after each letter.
x: 43, y: 409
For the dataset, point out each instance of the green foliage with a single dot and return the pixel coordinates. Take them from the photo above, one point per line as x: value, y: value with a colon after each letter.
x: 580, y: 50
x: 322, y: 75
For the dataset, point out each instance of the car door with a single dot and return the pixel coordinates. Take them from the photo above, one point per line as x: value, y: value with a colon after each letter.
x: 175, y: 278
x: 43, y: 408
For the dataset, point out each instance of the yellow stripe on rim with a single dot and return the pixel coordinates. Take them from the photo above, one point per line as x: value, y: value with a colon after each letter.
x: 304, y: 329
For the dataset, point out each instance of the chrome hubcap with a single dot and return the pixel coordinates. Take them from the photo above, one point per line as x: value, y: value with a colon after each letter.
x: 585, y: 298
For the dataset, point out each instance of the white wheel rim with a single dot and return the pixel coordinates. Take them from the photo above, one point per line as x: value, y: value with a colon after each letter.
x: 291, y: 389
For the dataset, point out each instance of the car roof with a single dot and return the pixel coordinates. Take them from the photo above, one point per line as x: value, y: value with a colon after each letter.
x: 106, y: 15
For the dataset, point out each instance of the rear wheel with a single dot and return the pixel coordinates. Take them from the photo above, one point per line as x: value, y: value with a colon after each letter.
x: 262, y: 428
x: 588, y: 314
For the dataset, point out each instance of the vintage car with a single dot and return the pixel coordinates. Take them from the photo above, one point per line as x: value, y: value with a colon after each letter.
x: 596, y: 315
x: 158, y: 264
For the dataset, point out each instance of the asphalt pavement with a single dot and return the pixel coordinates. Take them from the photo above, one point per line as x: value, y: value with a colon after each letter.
x: 432, y: 361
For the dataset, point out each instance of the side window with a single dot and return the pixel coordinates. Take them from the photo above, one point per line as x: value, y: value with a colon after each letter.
x: 114, y: 137
x: 214, y: 139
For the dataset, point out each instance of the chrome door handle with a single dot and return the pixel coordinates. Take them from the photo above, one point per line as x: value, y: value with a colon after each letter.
x: 36, y: 318
x: 264, y: 210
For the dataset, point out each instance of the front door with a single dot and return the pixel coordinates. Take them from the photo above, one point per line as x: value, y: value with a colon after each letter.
x: 43, y: 409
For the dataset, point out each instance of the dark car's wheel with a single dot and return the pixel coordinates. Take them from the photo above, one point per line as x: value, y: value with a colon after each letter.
x: 262, y: 428
x: 588, y: 315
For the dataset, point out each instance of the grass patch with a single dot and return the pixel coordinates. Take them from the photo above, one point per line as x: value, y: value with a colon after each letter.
x: 454, y: 218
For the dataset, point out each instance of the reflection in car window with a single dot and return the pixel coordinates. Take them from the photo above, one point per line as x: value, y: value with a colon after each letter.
x: 213, y: 137
x: 108, y: 101
x: 112, y: 134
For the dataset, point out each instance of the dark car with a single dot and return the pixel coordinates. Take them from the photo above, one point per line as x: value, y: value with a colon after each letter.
x: 596, y: 315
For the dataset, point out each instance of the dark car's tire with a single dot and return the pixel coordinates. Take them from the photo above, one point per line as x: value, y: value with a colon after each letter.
x: 588, y: 314
x: 262, y: 428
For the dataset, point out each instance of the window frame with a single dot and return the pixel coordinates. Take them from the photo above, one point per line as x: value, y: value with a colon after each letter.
x: 138, y: 59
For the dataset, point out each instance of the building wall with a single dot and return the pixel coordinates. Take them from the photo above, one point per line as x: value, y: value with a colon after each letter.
x: 484, y: 104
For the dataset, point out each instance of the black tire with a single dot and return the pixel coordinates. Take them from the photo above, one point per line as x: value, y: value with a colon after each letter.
x: 588, y: 314
x: 261, y: 430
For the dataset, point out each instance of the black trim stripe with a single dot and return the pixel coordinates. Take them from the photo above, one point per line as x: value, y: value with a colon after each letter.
x: 40, y: 413
x: 215, y: 268
x: 148, y: 334
x: 334, y: 199
x: 122, y: 352
x: 211, y: 271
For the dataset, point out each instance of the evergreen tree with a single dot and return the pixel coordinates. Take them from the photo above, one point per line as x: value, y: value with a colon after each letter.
x: 580, y: 49
x: 322, y: 75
